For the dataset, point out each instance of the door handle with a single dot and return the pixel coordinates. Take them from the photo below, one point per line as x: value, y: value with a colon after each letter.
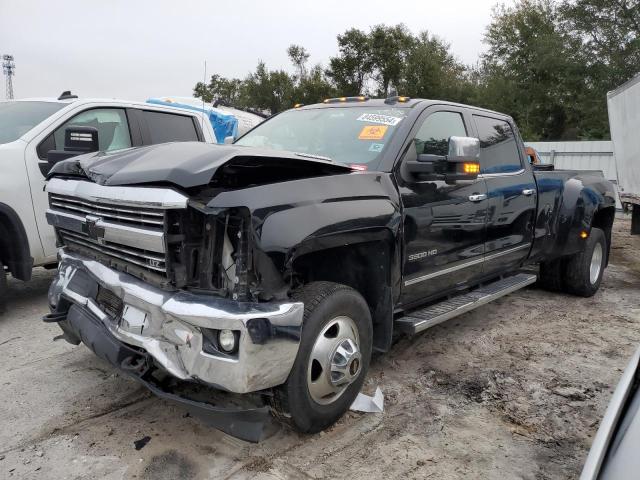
x: 528, y: 191
x: 478, y: 197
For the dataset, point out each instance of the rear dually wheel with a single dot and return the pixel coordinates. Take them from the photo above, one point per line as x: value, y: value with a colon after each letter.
x: 583, y: 273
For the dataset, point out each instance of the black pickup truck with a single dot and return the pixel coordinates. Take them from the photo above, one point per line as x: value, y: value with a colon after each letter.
x: 275, y: 266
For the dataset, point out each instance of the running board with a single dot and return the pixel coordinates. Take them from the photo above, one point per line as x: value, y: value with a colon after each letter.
x: 419, y: 320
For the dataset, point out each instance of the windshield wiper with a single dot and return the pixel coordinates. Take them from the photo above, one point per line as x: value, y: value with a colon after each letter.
x: 318, y: 157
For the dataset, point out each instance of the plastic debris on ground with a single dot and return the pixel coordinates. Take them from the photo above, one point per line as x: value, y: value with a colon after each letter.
x: 367, y: 404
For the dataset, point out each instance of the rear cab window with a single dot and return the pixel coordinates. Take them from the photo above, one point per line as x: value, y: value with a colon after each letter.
x: 498, y: 146
x: 169, y: 127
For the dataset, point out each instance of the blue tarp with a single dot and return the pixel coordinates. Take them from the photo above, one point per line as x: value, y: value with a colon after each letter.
x: 224, y: 125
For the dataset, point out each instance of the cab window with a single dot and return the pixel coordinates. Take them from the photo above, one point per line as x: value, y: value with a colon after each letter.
x: 433, y: 135
x: 498, y: 147
x: 168, y: 127
x: 111, y: 123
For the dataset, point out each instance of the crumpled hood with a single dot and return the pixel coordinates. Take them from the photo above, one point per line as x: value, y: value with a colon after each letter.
x: 185, y: 164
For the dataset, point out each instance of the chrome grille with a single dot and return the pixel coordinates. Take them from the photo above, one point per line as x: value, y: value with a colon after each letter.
x: 143, y: 258
x: 121, y: 226
x: 142, y: 217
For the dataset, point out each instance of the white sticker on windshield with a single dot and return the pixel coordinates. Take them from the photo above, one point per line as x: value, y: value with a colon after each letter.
x: 376, y: 147
x: 377, y: 118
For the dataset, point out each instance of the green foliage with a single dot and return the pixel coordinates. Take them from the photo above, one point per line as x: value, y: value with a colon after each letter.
x: 389, y: 50
x: 351, y: 69
x: 299, y: 57
x: 608, y: 32
x: 530, y: 68
x: 431, y: 71
x: 267, y: 90
x: 548, y: 63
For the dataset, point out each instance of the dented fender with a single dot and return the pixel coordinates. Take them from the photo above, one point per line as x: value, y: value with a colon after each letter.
x: 291, y: 219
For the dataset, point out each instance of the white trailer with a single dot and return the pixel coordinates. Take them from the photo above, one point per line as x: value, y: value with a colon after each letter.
x: 624, y: 121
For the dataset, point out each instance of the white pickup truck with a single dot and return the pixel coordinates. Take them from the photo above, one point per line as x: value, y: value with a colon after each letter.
x: 31, y: 128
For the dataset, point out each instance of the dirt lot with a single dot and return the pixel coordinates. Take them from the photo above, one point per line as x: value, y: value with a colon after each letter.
x: 515, y: 389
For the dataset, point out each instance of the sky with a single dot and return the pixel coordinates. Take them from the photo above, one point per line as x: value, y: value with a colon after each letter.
x: 136, y: 49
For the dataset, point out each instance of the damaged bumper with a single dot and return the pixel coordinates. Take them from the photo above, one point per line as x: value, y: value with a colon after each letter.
x: 250, y: 422
x: 173, y: 328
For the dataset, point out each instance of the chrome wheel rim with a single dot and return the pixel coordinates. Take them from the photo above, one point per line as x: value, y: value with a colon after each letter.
x: 596, y: 264
x: 335, y: 361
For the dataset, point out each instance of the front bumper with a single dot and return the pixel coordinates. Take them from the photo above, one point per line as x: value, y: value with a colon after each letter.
x: 168, y: 326
x: 248, y: 420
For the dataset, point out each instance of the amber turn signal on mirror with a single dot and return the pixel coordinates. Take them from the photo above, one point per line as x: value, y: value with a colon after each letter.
x: 470, y: 167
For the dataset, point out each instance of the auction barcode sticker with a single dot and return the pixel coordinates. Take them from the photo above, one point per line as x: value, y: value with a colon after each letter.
x: 381, y: 119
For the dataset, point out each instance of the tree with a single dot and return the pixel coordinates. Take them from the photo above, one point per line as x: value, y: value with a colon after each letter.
x: 202, y: 91
x: 530, y: 70
x: 389, y: 49
x: 608, y: 32
x: 549, y: 64
x: 431, y: 71
x: 220, y: 88
x: 299, y: 57
x: 314, y: 87
x: 353, y: 66
x: 268, y: 90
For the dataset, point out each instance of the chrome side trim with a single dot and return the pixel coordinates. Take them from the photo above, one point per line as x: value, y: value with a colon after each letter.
x: 506, y: 252
x: 507, y: 174
x: 444, y: 271
x: 130, y: 196
x: 470, y: 263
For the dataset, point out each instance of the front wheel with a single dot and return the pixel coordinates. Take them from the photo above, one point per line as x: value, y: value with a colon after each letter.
x: 584, y: 270
x: 333, y: 359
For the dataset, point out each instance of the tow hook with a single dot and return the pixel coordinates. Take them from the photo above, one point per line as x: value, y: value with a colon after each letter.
x: 54, y: 317
x: 136, y: 365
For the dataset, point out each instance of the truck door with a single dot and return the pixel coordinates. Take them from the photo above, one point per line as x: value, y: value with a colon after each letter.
x: 511, y: 191
x: 443, y: 223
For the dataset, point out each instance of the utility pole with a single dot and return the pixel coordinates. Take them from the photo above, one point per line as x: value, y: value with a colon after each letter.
x: 9, y: 70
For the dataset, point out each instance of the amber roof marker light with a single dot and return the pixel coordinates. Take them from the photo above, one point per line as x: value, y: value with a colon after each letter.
x: 397, y: 99
x: 359, y: 98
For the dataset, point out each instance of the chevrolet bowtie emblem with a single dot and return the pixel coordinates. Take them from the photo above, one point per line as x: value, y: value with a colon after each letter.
x: 91, y: 228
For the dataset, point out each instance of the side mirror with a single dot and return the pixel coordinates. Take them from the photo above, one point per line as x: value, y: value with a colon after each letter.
x: 81, y: 140
x: 228, y: 140
x: 460, y: 163
x: 77, y: 140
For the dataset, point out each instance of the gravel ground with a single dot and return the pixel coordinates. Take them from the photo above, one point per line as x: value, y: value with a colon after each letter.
x: 515, y: 389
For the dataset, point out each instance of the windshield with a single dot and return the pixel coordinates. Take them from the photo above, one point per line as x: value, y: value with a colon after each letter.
x: 17, y: 118
x: 353, y: 135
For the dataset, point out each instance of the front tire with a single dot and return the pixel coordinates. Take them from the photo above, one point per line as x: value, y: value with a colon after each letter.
x: 584, y: 270
x: 333, y: 359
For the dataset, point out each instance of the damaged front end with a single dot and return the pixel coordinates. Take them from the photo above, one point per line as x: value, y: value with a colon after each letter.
x: 182, y: 270
x: 153, y: 285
